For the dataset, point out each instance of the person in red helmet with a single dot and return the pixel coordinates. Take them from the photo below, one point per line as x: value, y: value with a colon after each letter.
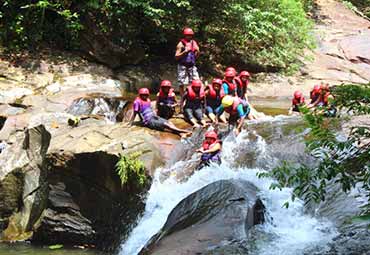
x: 214, y: 94
x: 194, y: 102
x: 187, y: 51
x: 297, y: 102
x: 211, y: 149
x: 242, y: 82
x: 325, y: 101
x: 166, y: 100
x: 315, y: 93
x: 230, y: 68
x: 229, y: 84
x: 142, y: 107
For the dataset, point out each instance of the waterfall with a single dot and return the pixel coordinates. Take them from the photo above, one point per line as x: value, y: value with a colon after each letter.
x: 290, y: 230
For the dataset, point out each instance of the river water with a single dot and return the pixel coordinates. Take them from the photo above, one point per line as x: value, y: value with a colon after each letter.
x: 288, y: 231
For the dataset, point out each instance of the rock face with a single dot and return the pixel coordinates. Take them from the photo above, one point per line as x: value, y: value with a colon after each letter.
x: 214, y: 216
x: 61, y: 186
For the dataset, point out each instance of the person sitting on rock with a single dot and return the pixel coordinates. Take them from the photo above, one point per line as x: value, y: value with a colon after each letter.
x: 166, y: 100
x: 211, y: 149
x: 297, y: 102
x: 242, y: 82
x: 187, y: 51
x: 142, y: 107
x: 237, y: 111
x: 214, y: 94
x: 324, y: 101
x: 228, y: 83
x: 194, y: 102
x: 315, y: 94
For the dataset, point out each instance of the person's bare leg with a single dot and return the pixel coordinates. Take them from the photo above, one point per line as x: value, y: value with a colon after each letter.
x: 212, y: 117
x: 223, y: 118
x: 194, y: 122
x: 181, y: 90
x: 177, y: 130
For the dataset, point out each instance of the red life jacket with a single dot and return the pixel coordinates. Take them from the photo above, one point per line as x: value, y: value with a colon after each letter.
x: 143, y: 103
x: 169, y: 96
x: 189, y: 44
x: 231, y: 85
x: 193, y: 96
x: 297, y: 101
x: 234, y: 108
x: 240, y: 83
x: 207, y: 146
x: 325, y: 99
x: 213, y: 93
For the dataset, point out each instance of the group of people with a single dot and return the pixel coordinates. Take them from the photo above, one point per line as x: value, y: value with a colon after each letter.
x: 197, y: 100
x: 320, y: 98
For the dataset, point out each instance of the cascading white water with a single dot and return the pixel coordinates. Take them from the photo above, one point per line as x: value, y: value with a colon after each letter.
x: 293, y: 230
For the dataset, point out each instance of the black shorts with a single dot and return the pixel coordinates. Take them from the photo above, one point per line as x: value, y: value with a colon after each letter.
x: 166, y: 111
x: 157, y: 123
x: 190, y: 113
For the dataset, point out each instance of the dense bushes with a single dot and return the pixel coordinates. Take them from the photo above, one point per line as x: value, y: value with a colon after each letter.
x: 260, y: 32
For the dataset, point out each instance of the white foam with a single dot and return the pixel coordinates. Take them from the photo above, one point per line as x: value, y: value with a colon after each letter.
x: 293, y: 229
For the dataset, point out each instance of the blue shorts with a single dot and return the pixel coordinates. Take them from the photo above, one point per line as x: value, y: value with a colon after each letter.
x: 210, y: 110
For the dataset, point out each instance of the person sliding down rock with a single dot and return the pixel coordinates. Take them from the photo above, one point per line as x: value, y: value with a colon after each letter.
x: 297, y: 102
x: 166, y: 100
x: 194, y: 102
x: 187, y: 51
x: 214, y: 94
x: 142, y: 107
x: 211, y: 150
x: 237, y: 111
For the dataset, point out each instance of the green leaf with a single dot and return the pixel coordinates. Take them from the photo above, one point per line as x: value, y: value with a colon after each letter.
x: 55, y: 246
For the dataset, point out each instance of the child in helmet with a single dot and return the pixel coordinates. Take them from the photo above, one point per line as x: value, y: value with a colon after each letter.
x: 315, y: 93
x: 194, y: 102
x: 211, y: 149
x: 166, y: 100
x: 228, y: 83
x: 142, y: 107
x: 242, y: 82
x: 297, y: 101
x: 214, y: 94
x: 324, y: 101
x: 237, y: 111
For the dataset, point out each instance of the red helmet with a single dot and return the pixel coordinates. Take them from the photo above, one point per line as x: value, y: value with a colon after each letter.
x: 316, y: 89
x: 217, y: 81
x: 188, y: 31
x: 244, y: 73
x: 143, y: 91
x: 166, y: 83
x: 297, y: 94
x: 230, y: 74
x: 230, y: 68
x: 196, y: 83
x: 211, y: 134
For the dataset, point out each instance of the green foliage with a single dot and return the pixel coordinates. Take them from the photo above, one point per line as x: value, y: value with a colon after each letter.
x: 131, y: 170
x: 56, y: 246
x: 343, y: 161
x: 264, y: 33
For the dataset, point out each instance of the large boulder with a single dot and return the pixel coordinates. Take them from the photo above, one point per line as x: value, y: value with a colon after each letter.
x: 59, y: 185
x: 220, y: 213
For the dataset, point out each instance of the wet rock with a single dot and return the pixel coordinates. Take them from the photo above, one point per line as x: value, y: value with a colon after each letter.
x: 69, y: 191
x: 221, y: 212
x: 107, y: 107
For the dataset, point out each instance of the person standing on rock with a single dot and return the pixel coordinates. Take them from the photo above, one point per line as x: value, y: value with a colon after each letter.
x: 142, y: 107
x: 187, y: 51
x: 166, y: 100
